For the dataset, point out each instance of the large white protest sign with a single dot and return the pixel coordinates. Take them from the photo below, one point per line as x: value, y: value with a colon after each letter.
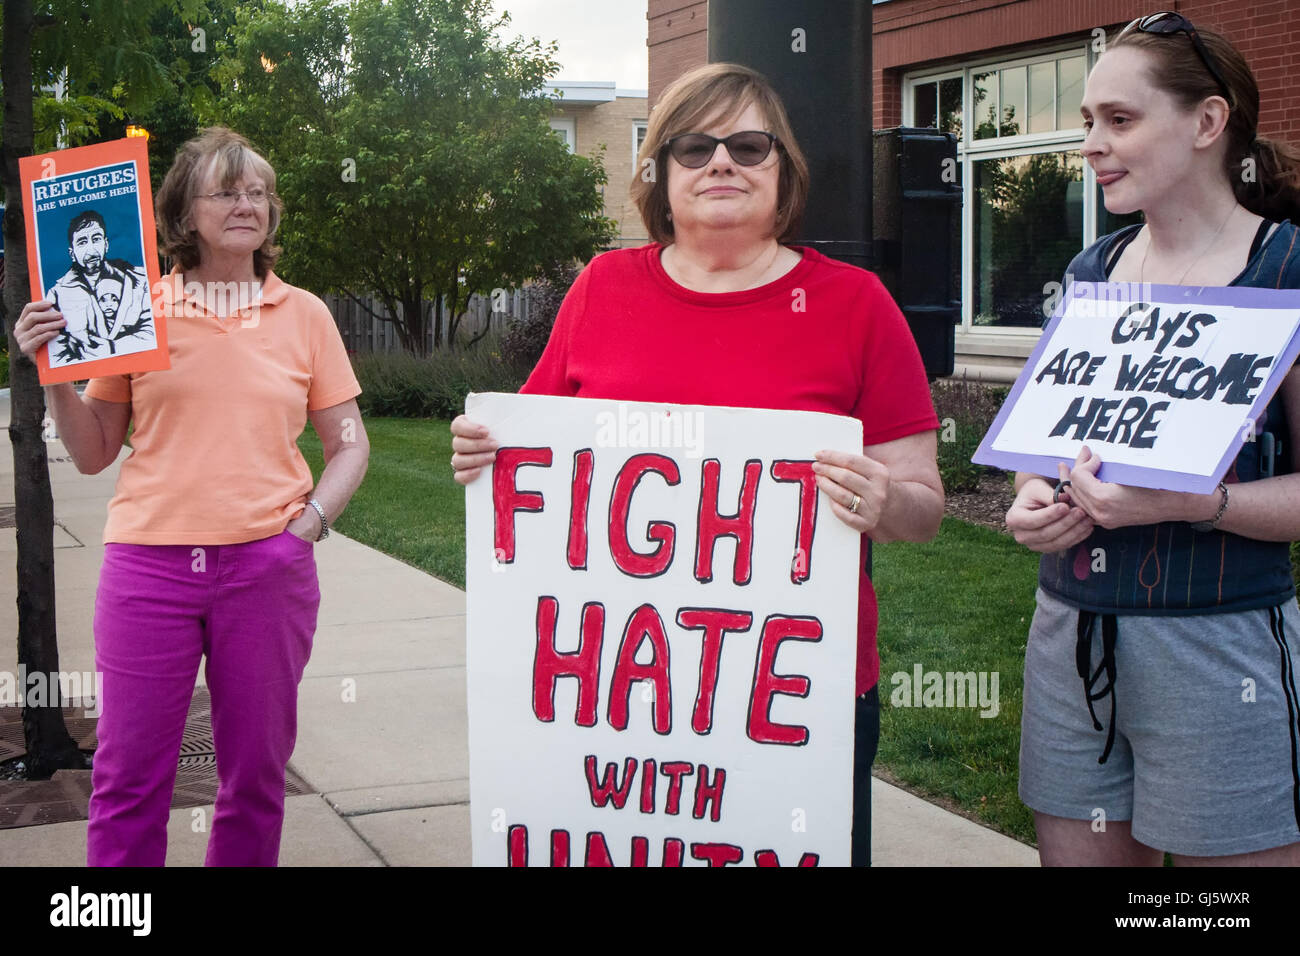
x: 1163, y: 383
x: 662, y: 636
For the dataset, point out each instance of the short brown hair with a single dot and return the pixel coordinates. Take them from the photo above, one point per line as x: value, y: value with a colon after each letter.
x: 1274, y: 190
x: 230, y: 154
x: 705, y: 92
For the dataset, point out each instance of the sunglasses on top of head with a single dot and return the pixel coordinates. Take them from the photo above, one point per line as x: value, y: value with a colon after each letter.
x: 1167, y: 23
x: 747, y: 148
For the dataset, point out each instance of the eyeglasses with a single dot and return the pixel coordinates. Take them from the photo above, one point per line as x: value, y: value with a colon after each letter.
x: 1166, y: 23
x: 230, y: 197
x: 748, y: 148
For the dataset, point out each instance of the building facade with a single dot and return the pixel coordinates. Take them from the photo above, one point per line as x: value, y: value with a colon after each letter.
x: 596, y: 119
x: 1006, y: 78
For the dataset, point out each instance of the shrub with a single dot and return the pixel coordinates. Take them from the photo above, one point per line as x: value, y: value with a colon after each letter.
x: 4, y: 369
x: 394, y: 384
x: 399, y: 385
x: 966, y: 411
x: 523, y: 342
x: 479, y: 369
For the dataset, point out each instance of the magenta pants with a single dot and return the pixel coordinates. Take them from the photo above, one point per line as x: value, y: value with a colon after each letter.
x: 250, y: 610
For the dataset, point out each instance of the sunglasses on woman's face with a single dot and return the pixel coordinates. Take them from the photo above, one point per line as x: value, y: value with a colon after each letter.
x: 1167, y: 23
x: 748, y: 148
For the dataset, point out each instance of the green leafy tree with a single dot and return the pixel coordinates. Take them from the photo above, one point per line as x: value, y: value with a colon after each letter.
x: 412, y: 151
x: 185, y: 45
x: 103, y: 53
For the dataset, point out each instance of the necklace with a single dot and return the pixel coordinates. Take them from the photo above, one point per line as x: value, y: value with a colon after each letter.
x: 1142, y: 269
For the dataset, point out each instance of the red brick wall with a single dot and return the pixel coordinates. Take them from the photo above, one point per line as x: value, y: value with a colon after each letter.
x: 911, y: 33
x: 886, y: 98
x: 908, y: 32
x: 678, y: 40
x: 1268, y: 35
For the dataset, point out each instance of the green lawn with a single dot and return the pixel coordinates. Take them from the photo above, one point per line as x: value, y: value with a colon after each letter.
x: 409, y: 506
x: 962, y: 602
x: 959, y: 603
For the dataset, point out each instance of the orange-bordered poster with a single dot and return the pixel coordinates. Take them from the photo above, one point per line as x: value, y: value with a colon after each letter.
x: 92, y: 251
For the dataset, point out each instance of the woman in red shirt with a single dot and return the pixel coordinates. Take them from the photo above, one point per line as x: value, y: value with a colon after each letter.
x: 718, y: 311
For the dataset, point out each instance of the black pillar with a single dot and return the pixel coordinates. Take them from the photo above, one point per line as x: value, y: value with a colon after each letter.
x: 817, y: 56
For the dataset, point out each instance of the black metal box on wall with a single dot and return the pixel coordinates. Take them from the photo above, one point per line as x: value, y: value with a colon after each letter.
x: 916, y: 222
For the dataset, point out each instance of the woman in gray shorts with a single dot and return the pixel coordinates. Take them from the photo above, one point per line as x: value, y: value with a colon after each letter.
x: 1161, y: 711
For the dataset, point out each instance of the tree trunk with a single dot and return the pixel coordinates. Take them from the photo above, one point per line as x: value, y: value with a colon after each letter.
x: 437, y: 321
x: 481, y: 334
x: 49, y: 747
x: 414, y: 323
x: 404, y: 330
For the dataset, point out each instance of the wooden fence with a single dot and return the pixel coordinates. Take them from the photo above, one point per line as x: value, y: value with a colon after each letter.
x: 363, y: 332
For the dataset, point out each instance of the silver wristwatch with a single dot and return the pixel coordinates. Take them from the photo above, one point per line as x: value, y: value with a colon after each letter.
x: 324, y: 522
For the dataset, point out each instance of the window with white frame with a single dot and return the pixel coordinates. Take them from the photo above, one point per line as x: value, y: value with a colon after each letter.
x: 1029, y: 201
x: 639, y: 128
x: 566, y: 128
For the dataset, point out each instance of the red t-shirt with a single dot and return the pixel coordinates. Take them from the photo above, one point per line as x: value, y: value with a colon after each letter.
x: 825, y: 337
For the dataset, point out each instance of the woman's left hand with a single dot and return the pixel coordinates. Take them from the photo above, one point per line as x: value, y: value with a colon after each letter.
x: 1112, y: 505
x: 841, y: 476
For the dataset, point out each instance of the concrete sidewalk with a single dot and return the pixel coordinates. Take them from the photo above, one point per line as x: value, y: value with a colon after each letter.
x: 390, y: 767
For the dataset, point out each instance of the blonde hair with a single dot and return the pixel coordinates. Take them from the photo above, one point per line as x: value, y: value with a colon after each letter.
x: 230, y: 155
x: 703, y: 93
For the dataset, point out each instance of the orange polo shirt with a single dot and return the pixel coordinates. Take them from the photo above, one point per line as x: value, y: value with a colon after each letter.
x: 214, y: 455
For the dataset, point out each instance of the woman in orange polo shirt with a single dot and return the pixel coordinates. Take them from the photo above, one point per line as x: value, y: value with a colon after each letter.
x: 209, y: 539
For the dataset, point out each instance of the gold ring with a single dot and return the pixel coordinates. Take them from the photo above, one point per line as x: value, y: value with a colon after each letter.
x: 853, y: 508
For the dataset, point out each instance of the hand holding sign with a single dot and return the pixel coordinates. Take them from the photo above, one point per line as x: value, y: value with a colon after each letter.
x: 1041, y: 524
x: 843, y: 477
x: 39, y: 322
x: 1113, y: 505
x: 473, y: 449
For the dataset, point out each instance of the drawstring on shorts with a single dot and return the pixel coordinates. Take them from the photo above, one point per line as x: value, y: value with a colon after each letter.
x: 1083, y: 662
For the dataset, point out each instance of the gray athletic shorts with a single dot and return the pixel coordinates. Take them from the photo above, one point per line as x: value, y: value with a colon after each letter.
x: 1206, y: 752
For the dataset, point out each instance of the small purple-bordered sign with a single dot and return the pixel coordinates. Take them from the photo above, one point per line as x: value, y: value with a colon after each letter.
x: 1164, y: 383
